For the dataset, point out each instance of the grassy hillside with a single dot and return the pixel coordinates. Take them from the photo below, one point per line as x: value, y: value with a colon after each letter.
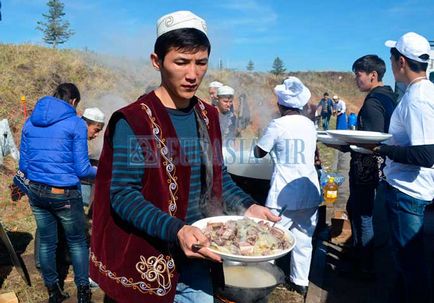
x: 35, y: 71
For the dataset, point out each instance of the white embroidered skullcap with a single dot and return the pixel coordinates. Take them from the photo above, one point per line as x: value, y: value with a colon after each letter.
x: 94, y: 114
x: 292, y: 93
x: 225, y: 91
x: 413, y: 46
x: 215, y: 84
x: 178, y: 20
x: 335, y: 97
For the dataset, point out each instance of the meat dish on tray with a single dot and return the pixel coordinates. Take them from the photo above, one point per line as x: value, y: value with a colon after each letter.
x: 246, y: 237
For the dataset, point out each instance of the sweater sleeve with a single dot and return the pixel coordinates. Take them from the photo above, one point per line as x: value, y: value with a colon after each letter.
x: 126, y: 198
x: 235, y: 200
x: 419, y: 155
x: 82, y: 166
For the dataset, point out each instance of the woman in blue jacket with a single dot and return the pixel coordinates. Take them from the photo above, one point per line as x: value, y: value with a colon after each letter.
x: 53, y: 156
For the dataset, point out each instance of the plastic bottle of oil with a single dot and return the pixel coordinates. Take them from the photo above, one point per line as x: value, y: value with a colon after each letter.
x: 330, y: 191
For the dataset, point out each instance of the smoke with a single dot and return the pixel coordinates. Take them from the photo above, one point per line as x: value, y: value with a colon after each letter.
x: 132, y: 78
x: 258, y: 95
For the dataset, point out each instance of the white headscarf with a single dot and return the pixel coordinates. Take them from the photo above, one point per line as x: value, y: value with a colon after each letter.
x: 292, y: 93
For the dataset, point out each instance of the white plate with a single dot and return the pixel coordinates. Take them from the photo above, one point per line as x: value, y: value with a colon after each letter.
x: 247, y: 259
x: 359, y: 136
x: 327, y: 139
x: 361, y: 150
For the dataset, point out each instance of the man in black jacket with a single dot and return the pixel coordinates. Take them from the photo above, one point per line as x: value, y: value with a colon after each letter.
x: 365, y: 170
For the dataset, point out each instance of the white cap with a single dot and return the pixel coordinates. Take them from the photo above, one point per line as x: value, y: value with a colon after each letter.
x: 215, y: 84
x: 225, y: 91
x: 292, y: 93
x: 178, y: 20
x: 335, y: 97
x: 94, y: 114
x: 412, y: 46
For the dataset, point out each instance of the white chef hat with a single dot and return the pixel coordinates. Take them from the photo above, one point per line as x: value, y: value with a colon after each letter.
x: 413, y: 46
x: 292, y: 93
x: 225, y: 91
x: 178, y: 20
x: 215, y: 84
x: 94, y: 114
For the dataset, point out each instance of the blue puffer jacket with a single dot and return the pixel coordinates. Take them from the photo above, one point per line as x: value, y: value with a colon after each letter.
x: 54, y: 145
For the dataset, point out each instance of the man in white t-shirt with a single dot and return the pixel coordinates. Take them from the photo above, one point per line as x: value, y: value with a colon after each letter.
x: 410, y: 187
x: 291, y: 142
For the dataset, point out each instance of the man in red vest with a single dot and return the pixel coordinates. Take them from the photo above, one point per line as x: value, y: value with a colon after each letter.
x: 161, y: 170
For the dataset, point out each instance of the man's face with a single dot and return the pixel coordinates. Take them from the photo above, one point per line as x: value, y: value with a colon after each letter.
x: 182, y: 73
x: 224, y: 104
x: 396, y: 68
x: 93, y: 130
x: 213, y: 93
x: 364, y: 80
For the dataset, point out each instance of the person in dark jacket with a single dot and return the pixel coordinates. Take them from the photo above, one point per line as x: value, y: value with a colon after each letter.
x: 54, y: 157
x: 365, y: 170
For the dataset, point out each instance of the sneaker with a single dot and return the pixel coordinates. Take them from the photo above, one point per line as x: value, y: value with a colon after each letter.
x: 301, y: 290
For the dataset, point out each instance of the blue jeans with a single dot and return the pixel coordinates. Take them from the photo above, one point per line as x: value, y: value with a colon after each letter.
x: 67, y: 209
x: 195, y: 283
x: 380, y: 220
x: 360, y: 206
x: 325, y: 117
x: 406, y: 215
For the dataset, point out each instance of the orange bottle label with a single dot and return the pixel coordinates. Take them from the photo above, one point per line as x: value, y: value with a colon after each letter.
x: 332, y: 194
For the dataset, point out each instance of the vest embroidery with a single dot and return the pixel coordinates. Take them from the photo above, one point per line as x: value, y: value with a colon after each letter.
x: 204, y: 112
x: 156, y: 270
x: 168, y: 161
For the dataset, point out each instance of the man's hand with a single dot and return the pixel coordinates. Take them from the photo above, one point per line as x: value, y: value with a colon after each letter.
x: 261, y: 212
x: 189, y: 235
x: 370, y: 146
x: 341, y: 148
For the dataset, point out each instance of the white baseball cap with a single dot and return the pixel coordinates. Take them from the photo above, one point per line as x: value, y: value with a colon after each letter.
x: 292, y: 93
x: 215, y: 84
x: 178, y: 20
x: 413, y: 46
x: 94, y: 114
x: 225, y: 91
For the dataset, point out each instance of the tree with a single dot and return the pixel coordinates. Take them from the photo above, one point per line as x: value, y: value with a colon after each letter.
x: 250, y: 66
x: 278, y: 67
x: 56, y: 30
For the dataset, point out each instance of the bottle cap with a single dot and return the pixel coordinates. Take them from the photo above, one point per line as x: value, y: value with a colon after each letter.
x: 331, y: 179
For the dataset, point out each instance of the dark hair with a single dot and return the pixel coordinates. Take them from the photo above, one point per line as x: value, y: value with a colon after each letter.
x: 414, y: 66
x: 186, y: 39
x: 326, y: 94
x: 287, y: 108
x: 67, y: 92
x: 369, y: 64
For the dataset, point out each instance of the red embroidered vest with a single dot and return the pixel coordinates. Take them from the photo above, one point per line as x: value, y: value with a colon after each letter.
x: 126, y: 263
